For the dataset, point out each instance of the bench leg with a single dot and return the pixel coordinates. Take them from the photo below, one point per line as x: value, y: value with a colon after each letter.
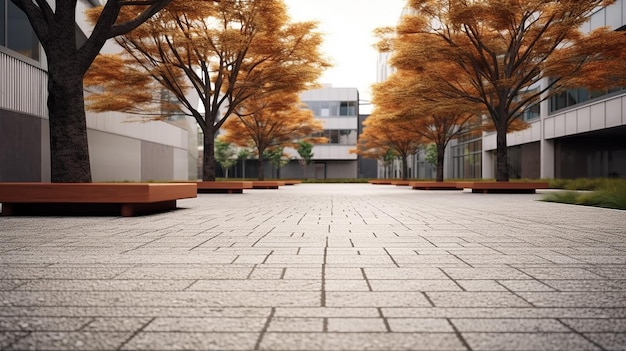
x: 8, y: 209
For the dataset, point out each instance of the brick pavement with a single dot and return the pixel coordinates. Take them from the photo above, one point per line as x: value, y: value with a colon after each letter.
x: 320, y: 267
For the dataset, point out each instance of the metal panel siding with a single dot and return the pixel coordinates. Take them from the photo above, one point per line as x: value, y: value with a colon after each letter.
x: 23, y: 87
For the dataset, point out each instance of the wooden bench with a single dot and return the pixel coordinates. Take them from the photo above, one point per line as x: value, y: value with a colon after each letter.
x: 223, y: 187
x: 292, y: 182
x: 503, y: 187
x: 125, y: 199
x: 380, y: 181
x: 425, y: 185
x: 400, y: 182
x: 267, y: 184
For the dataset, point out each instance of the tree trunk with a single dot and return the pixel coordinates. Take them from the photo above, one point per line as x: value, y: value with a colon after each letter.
x: 405, y: 168
x: 441, y: 149
x: 502, y: 161
x: 208, y: 155
x: 69, y: 148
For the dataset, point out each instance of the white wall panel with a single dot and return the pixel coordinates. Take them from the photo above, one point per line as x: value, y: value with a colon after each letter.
x: 614, y: 15
x: 528, y: 135
x: 623, y: 110
x: 535, y: 130
x: 156, y: 132
x: 583, y: 119
x: 571, y: 122
x: 181, y: 162
x: 333, y: 152
x: 340, y: 122
x: 597, y: 116
x: 559, y: 125
x: 598, y: 19
x: 114, y: 157
x: 613, y: 113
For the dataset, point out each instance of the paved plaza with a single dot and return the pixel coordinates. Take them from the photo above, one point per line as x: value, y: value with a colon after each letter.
x: 320, y: 267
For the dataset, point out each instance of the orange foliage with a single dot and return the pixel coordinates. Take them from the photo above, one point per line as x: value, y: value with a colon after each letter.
x: 497, y: 53
x: 219, y: 53
x: 272, y: 122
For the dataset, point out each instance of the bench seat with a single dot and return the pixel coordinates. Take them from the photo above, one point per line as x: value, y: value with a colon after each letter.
x: 125, y: 199
x: 292, y: 182
x: 503, y: 187
x: 380, y: 181
x: 267, y: 184
x: 424, y: 185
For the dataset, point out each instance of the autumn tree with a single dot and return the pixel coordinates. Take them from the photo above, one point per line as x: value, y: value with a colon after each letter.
x: 221, y: 52
x: 274, y: 121
x: 68, y: 60
x: 380, y: 138
x: 509, y: 54
x: 410, y: 99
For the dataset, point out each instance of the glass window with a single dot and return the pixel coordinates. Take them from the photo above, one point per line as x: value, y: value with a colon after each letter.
x: 324, y: 109
x: 333, y: 107
x: 2, y: 22
x: 314, y: 106
x: 333, y: 137
x: 347, y: 137
x: 347, y: 108
x: 575, y: 96
x: 20, y: 35
x: 532, y: 112
x: 467, y: 159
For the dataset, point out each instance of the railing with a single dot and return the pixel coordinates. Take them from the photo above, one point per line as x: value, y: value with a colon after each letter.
x: 23, y: 87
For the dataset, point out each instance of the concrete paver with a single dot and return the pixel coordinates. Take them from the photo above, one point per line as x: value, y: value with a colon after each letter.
x: 320, y: 267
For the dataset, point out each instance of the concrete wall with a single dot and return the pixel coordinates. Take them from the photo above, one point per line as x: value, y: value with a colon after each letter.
x: 25, y: 151
x: 20, y: 147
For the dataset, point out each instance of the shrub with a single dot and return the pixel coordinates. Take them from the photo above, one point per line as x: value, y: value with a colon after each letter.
x: 610, y: 193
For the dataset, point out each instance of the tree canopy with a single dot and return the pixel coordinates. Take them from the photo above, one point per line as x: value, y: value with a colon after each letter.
x: 272, y: 122
x: 382, y: 137
x: 221, y: 53
x: 507, y: 55
x: 411, y: 100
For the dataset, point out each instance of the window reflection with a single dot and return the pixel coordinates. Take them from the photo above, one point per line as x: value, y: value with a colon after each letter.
x: 467, y: 159
x: 573, y: 97
x: 339, y: 136
x: 17, y: 33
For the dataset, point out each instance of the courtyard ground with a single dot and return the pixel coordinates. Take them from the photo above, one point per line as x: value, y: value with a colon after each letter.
x: 320, y: 267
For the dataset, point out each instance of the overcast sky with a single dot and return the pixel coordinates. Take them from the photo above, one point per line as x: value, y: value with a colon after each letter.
x: 348, y: 27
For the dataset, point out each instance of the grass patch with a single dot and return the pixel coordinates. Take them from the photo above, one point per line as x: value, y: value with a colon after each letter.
x: 607, y: 193
x: 581, y: 183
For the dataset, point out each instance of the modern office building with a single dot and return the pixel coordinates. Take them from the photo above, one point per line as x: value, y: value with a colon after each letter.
x: 338, y: 108
x: 119, y: 150
x: 577, y: 133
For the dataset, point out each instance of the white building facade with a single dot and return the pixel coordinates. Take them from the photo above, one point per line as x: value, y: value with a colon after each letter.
x: 338, y: 109
x: 118, y: 150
